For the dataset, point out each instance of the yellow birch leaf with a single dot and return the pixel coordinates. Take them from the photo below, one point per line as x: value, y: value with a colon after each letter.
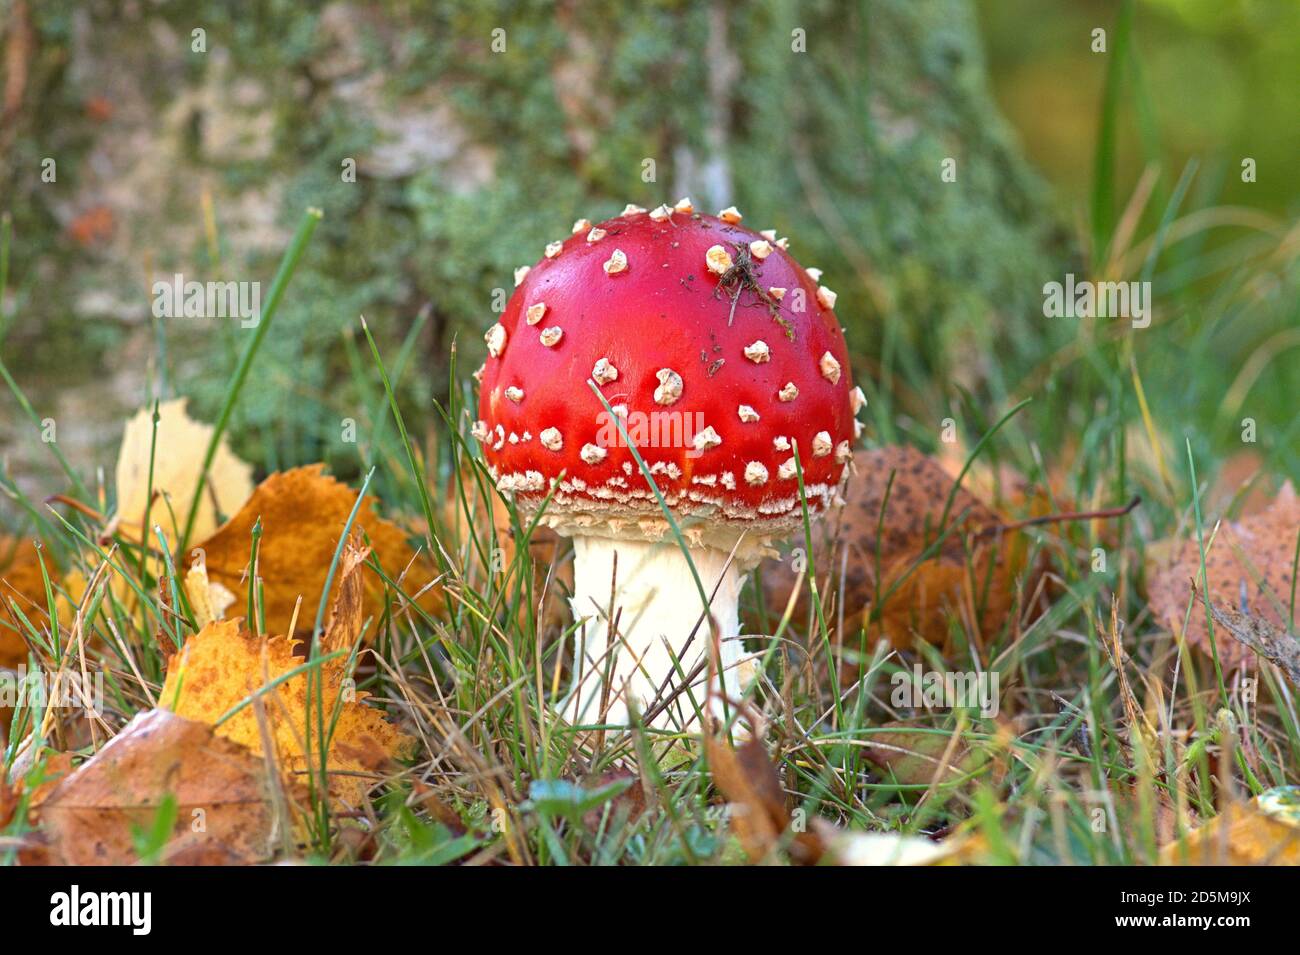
x: 177, y: 463
x: 224, y: 664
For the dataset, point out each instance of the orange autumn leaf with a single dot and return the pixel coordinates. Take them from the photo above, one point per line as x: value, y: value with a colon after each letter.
x: 21, y: 582
x: 303, y: 513
x: 972, y: 572
x: 221, y: 666
x: 1250, y: 559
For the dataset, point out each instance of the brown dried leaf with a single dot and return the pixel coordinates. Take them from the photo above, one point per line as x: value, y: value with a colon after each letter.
x: 749, y: 782
x: 913, y: 757
x: 1249, y: 560
x: 1272, y: 643
x: 90, y: 814
x: 56, y: 767
x: 948, y: 581
x: 303, y: 512
x: 346, y: 616
x: 630, y: 802
x: 21, y: 582
x: 427, y: 798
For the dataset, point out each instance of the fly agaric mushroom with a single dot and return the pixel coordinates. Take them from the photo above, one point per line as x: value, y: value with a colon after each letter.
x: 676, y: 322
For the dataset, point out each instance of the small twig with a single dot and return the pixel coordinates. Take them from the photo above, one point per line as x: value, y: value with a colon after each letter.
x: 76, y: 505
x: 743, y: 276
x: 1067, y: 516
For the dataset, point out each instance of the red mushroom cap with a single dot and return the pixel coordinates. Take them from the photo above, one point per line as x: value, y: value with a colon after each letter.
x: 720, y: 363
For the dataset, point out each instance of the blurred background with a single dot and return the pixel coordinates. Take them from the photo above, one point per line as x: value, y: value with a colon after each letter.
x: 190, y: 137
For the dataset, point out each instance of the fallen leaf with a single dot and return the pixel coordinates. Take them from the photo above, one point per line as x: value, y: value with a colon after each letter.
x: 427, y: 798
x: 303, y: 513
x: 910, y: 756
x: 8, y: 802
x: 1000, y: 484
x: 1264, y: 831
x: 21, y: 582
x: 1248, y: 563
x: 1239, y: 486
x: 1272, y: 643
x: 177, y: 463
x: 224, y: 664
x: 210, y: 601
x: 91, y: 815
x: 346, y: 617
x: 972, y: 572
x: 56, y: 767
x: 758, y: 814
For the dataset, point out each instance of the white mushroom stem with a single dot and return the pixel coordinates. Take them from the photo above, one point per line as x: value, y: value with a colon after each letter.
x: 656, y: 606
